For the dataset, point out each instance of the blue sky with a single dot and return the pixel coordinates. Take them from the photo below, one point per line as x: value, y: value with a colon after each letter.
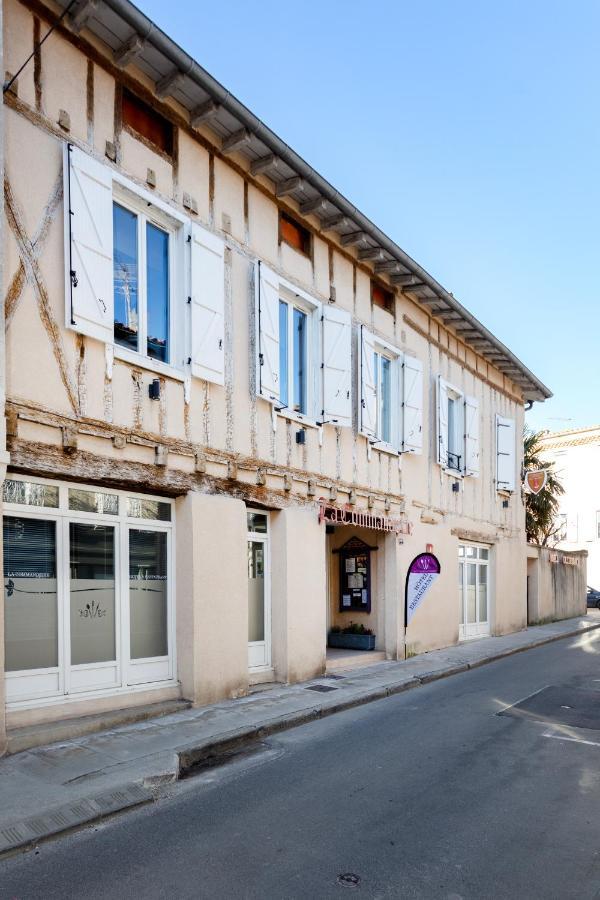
x: 468, y: 131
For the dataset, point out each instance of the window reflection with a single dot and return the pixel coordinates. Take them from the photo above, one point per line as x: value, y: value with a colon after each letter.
x: 125, y: 274
x: 157, y: 251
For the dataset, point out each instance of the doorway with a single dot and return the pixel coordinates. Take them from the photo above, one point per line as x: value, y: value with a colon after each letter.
x: 259, y: 591
x: 473, y: 591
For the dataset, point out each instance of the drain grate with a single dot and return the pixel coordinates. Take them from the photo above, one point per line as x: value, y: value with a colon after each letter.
x: 321, y: 688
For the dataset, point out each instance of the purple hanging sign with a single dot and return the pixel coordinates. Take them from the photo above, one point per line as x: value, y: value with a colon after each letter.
x: 422, y: 572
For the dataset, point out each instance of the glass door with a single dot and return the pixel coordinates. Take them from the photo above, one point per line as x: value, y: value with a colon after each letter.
x: 93, y: 607
x: 32, y: 614
x: 473, y: 567
x: 259, y: 600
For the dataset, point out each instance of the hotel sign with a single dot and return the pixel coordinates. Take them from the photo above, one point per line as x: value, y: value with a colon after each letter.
x: 362, y: 518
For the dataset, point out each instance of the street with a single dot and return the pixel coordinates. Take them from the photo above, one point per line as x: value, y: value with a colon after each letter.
x: 428, y: 794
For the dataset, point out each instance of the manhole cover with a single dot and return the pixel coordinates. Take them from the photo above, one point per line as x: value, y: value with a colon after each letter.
x: 560, y: 706
x: 348, y: 879
x: 321, y: 688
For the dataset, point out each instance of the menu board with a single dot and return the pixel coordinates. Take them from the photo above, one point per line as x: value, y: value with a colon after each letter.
x: 355, y: 576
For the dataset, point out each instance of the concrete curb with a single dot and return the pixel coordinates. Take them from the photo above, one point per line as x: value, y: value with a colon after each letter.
x: 68, y: 818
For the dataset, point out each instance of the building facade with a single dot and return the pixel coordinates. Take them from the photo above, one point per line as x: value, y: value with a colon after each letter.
x: 576, y: 457
x: 235, y: 409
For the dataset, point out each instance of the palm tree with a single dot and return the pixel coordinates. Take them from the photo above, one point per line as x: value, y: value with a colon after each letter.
x: 541, y: 510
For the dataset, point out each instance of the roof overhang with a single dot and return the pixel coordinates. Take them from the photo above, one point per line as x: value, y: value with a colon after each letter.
x: 133, y: 38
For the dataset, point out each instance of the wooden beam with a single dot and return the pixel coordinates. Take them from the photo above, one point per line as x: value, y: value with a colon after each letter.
x: 389, y: 265
x: 168, y: 83
x: 404, y: 279
x: 314, y: 206
x: 204, y: 112
x: 128, y: 51
x: 355, y: 238
x: 82, y: 13
x: 415, y: 287
x: 265, y: 163
x: 236, y: 141
x: 290, y: 186
x: 371, y: 253
x: 334, y: 223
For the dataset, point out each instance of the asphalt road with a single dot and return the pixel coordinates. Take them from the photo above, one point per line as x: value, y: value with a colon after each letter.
x: 426, y: 794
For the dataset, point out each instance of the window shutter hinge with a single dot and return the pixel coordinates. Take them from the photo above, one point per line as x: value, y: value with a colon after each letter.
x: 189, y: 360
x: 74, y: 280
x: 189, y: 299
x: 189, y: 239
x: 261, y: 359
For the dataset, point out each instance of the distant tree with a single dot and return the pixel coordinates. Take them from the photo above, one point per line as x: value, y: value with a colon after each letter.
x: 542, y: 523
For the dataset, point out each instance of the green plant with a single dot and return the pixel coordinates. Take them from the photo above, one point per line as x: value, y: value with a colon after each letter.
x: 352, y: 628
x: 541, y: 510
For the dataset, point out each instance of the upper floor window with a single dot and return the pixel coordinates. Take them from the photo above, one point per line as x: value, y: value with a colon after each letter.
x: 382, y: 369
x: 146, y: 122
x: 294, y: 356
x: 382, y: 297
x: 506, y: 454
x: 126, y: 264
x: 458, y: 430
x: 304, y: 352
x: 293, y: 233
x: 598, y: 525
x: 141, y: 265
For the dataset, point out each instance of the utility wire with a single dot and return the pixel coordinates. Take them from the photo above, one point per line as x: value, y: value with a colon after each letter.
x: 7, y: 86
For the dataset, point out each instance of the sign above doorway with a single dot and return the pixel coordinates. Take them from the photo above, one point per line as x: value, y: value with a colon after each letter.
x: 362, y: 518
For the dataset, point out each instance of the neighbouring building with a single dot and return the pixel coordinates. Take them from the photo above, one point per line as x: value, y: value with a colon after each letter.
x: 236, y: 410
x: 576, y: 456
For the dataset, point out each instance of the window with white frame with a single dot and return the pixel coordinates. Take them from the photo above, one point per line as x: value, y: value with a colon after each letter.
x: 294, y: 355
x: 304, y: 352
x: 391, y: 396
x: 88, y: 589
x: 134, y: 265
x: 458, y: 430
x: 142, y: 261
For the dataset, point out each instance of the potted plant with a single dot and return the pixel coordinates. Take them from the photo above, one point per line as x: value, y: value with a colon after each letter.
x: 352, y: 637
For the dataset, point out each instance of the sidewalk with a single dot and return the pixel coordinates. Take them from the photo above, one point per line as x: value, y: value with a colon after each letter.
x: 47, y: 790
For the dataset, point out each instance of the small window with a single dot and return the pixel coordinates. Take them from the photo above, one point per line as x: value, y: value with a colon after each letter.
x: 93, y: 501
x: 146, y: 122
x: 293, y: 357
x: 141, y: 292
x: 30, y: 493
x: 138, y: 508
x: 598, y: 525
x: 381, y: 297
x: 257, y: 522
x: 294, y: 234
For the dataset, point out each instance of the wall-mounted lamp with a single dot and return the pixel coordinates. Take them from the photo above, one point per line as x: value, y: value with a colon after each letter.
x: 154, y: 389
x: 505, y: 504
x: 456, y: 486
x: 301, y: 436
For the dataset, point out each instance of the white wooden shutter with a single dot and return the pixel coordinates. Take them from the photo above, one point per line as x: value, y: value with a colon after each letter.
x: 368, y: 387
x: 412, y: 405
x: 268, y: 333
x: 442, y: 417
x: 208, y: 305
x: 337, y: 364
x: 505, y: 454
x: 471, y: 436
x: 88, y: 245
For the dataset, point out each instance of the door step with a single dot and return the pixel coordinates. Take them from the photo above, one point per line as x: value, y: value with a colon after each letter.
x: 28, y: 736
x: 340, y: 660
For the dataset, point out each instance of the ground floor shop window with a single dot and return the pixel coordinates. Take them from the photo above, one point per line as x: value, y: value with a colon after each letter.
x: 88, y: 590
x: 473, y: 591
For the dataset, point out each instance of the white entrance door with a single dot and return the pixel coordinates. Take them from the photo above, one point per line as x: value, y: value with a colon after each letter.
x: 259, y: 595
x: 473, y: 591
